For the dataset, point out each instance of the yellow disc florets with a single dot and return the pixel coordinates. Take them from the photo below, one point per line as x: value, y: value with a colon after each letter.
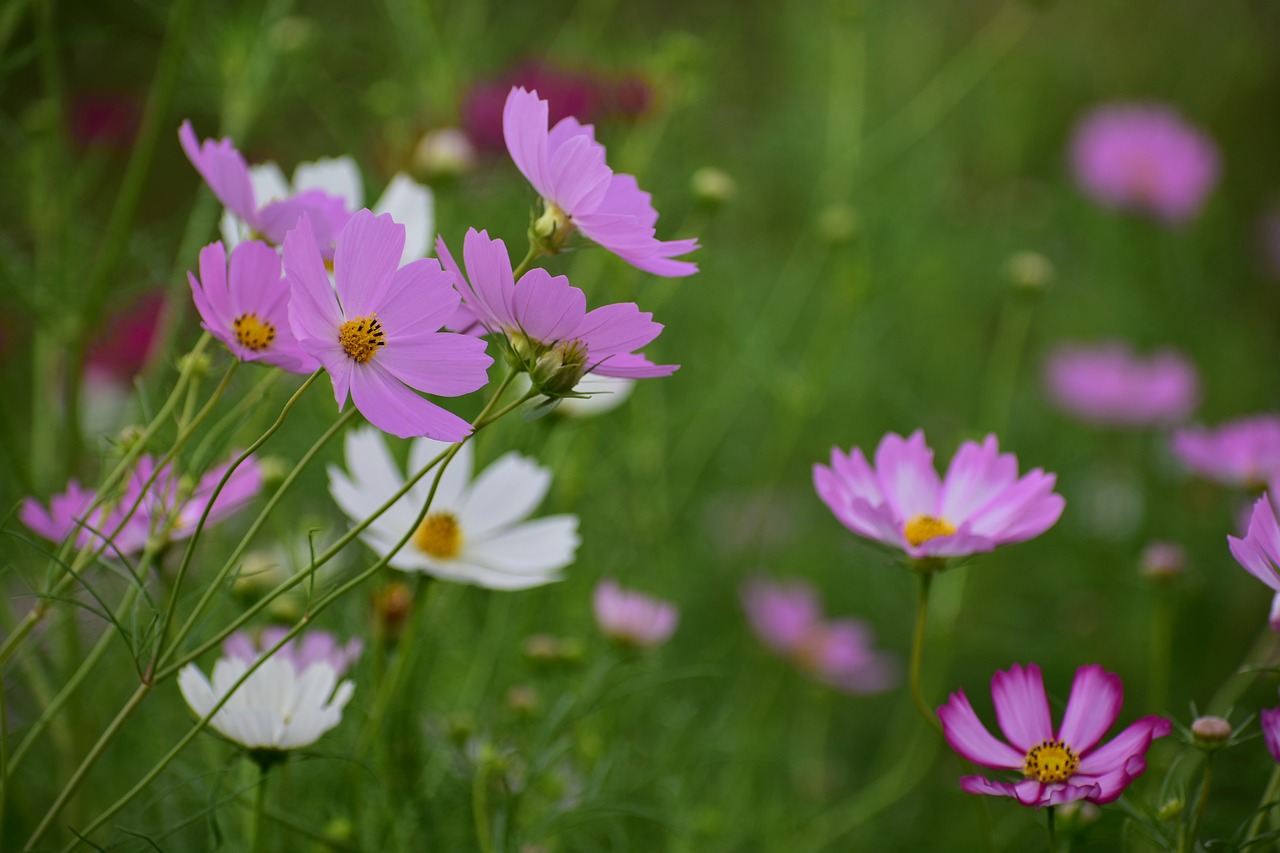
x: 252, y: 332
x: 439, y: 536
x: 361, y: 337
x: 921, y: 528
x: 1050, y: 761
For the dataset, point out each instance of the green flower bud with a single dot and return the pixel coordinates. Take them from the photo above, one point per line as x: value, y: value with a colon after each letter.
x: 560, y: 368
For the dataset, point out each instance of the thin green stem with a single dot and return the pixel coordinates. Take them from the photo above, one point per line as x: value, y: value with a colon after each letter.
x: 405, y: 649
x: 1202, y: 801
x: 1161, y: 648
x: 259, y: 807
x: 1005, y: 359
x: 917, y: 652
x: 1265, y: 806
x: 1053, y: 829
x: 480, y: 805
x: 532, y: 255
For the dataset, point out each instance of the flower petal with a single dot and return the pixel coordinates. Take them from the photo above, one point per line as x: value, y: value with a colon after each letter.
x: 1022, y: 708
x: 968, y: 736
x: 1092, y: 708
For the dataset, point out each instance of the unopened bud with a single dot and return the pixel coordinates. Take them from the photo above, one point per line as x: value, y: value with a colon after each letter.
x: 713, y: 187
x: 541, y: 648
x: 551, y: 229
x: 291, y: 33
x: 391, y: 607
x: 1211, y: 731
x: 838, y: 223
x: 560, y: 368
x: 522, y: 700
x: 444, y: 153
x: 273, y: 469
x: 1171, y: 810
x: 128, y: 437
x: 459, y: 727
x: 197, y: 364
x: 340, y: 829
x: 259, y: 574
x: 1029, y: 271
x: 285, y: 608
x: 1163, y: 562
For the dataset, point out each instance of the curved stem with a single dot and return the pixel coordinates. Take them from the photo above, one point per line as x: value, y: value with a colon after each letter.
x: 1264, y: 807
x: 917, y: 652
x: 532, y: 255
x: 1189, y: 841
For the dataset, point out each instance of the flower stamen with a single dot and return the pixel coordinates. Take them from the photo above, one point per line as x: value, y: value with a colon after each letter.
x: 921, y: 528
x: 1050, y: 761
x: 253, y: 333
x: 361, y: 337
x: 439, y: 536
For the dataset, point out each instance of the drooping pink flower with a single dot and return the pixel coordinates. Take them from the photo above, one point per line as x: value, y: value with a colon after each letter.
x: 1111, y: 385
x: 1269, y: 718
x: 567, y: 167
x: 901, y: 502
x: 314, y: 646
x: 376, y: 328
x: 104, y: 527
x: 544, y: 320
x: 242, y: 487
x: 1243, y: 452
x: 247, y: 306
x: 225, y: 171
x: 1144, y: 158
x: 787, y: 617
x: 633, y: 617
x: 1058, y: 765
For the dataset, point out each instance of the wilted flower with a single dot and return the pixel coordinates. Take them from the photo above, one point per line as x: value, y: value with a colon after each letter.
x: 475, y: 531
x: 1059, y: 765
x: 1111, y: 385
x: 787, y: 617
x: 375, y: 329
x: 1144, y: 157
x: 288, y: 702
x: 633, y: 617
x: 566, y: 166
x: 1243, y: 452
x: 247, y: 308
x: 901, y: 502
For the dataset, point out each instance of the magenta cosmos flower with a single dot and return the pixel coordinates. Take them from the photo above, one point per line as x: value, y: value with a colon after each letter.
x: 1243, y: 452
x: 1111, y: 385
x: 247, y: 306
x: 1259, y: 551
x: 566, y: 166
x: 902, y: 503
x: 1144, y: 157
x: 633, y: 617
x: 227, y: 174
x: 1058, y: 765
x: 545, y: 322
x: 376, y: 328
x: 787, y: 617
x: 1269, y: 718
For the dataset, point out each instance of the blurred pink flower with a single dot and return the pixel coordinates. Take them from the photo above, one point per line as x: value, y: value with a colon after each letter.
x: 1269, y: 718
x: 72, y: 511
x: 1111, y: 385
x: 375, y: 329
x: 1163, y: 560
x: 105, y: 120
x: 314, y: 646
x: 633, y: 617
x: 1144, y: 157
x: 901, y: 502
x: 1259, y: 550
x: 787, y: 617
x: 567, y: 167
x: 1060, y: 765
x: 123, y: 347
x: 589, y: 95
x: 1243, y: 452
x: 1269, y: 242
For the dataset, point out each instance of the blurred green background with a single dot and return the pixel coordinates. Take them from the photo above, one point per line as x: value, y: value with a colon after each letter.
x: 889, y: 158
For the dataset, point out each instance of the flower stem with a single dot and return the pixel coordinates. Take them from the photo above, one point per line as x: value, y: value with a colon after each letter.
x: 532, y: 255
x: 1053, y: 829
x: 917, y: 652
x: 480, y: 805
x: 259, y: 806
x: 1264, y: 807
x: 1161, y: 648
x: 1189, y: 840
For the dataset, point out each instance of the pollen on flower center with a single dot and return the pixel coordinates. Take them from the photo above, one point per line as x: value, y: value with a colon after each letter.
x: 361, y: 337
x: 922, y: 528
x: 439, y: 536
x: 252, y: 332
x: 1050, y: 761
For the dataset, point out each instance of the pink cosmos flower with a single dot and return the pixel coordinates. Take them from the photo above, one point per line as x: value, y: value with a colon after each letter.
x: 566, y: 166
x: 633, y: 617
x: 247, y: 307
x: 314, y: 646
x: 105, y: 119
x: 1144, y: 157
x: 900, y: 502
x: 72, y: 511
x: 1259, y: 551
x: 1243, y: 452
x: 787, y: 617
x: 1270, y: 721
x: 375, y: 329
x: 1060, y: 765
x: 127, y: 340
x: 227, y: 174
x: 544, y: 319
x: 1111, y: 385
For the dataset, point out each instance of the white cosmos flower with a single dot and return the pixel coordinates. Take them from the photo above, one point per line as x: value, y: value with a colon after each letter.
x: 410, y: 203
x: 475, y: 531
x: 288, y: 702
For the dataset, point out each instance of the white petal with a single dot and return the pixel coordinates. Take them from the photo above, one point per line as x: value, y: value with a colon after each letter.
x: 268, y: 183
x: 453, y: 482
x: 196, y: 690
x: 338, y: 176
x: 606, y: 394
x: 506, y: 492
x: 540, y: 546
x: 413, y: 206
x: 376, y: 475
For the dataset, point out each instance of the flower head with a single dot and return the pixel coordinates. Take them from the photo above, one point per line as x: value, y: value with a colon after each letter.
x: 1259, y: 551
x: 566, y: 166
x: 288, y: 702
x: 73, y: 511
x: 1269, y: 718
x: 1111, y: 385
x: 632, y: 617
x: 375, y: 329
x: 545, y: 323
x: 475, y: 530
x: 1243, y: 452
x: 1145, y: 158
x: 787, y: 617
x: 1058, y: 765
x: 982, y: 503
x: 247, y: 306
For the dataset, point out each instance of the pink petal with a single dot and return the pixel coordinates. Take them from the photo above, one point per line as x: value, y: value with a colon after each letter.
x: 224, y: 170
x: 256, y: 279
x: 393, y: 407
x: 421, y: 300
x: 491, y: 283
x: 577, y: 175
x: 1092, y: 708
x: 1134, y: 740
x: 1022, y: 708
x: 314, y: 314
x: 1269, y: 718
x: 368, y: 255
x: 547, y: 308
x: 439, y: 363
x: 968, y: 736
x: 524, y: 128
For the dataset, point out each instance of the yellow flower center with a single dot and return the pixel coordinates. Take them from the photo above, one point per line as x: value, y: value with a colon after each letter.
x: 439, y: 536
x: 253, y: 333
x: 921, y: 528
x: 1050, y: 761
x: 361, y: 337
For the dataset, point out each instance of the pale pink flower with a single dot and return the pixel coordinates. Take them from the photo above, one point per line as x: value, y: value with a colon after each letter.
x: 901, y: 502
x: 567, y: 167
x: 1243, y: 452
x: 301, y: 652
x: 633, y: 617
x: 1111, y: 385
x: 376, y: 328
x: 1058, y: 765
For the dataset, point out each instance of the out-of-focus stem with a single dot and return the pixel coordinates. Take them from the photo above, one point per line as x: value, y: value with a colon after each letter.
x: 1189, y: 840
x: 917, y: 652
x: 1053, y: 829
x: 259, y: 805
x: 1005, y: 359
x: 1264, y: 807
x: 1161, y: 647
